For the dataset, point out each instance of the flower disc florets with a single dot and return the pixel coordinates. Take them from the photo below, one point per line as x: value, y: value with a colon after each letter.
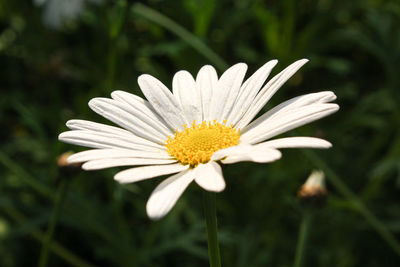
x: 196, y: 144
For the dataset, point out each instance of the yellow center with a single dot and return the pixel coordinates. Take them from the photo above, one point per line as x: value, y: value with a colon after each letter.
x: 196, y: 144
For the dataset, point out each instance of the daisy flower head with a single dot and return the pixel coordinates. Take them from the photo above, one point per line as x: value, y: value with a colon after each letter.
x: 189, y: 132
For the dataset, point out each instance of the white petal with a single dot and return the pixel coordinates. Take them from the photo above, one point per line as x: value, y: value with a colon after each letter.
x: 128, y: 118
x: 147, y: 172
x: 187, y: 94
x: 304, y: 100
x: 206, y: 81
x: 94, y: 154
x: 259, y: 156
x: 287, y: 106
x: 167, y: 193
x: 162, y: 101
x: 246, y: 153
x: 143, y: 106
x: 106, y: 140
x: 223, y: 153
x: 268, y: 91
x: 116, y: 162
x: 287, y: 121
x: 248, y: 91
x: 209, y: 176
x: 98, y: 127
x: 134, y: 100
x: 225, y: 94
x: 296, y: 142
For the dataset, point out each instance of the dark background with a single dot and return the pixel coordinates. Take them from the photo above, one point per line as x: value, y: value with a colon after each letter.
x: 56, y: 55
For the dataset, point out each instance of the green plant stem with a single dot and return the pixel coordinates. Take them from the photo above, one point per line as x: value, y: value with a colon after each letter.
x: 302, y: 240
x: 25, y: 177
x: 111, y: 63
x: 212, y: 229
x: 191, y: 39
x: 289, y: 21
x: 44, y: 254
x: 55, y: 247
x: 357, y: 204
x: 114, y: 32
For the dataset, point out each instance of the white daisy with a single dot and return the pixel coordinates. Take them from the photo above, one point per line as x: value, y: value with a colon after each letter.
x: 202, y: 123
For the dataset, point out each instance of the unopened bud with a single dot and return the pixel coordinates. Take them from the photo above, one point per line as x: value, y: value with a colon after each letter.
x: 314, y: 187
x: 63, y: 164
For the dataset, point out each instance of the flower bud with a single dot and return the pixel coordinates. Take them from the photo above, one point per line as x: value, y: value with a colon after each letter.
x: 314, y: 188
x: 63, y: 164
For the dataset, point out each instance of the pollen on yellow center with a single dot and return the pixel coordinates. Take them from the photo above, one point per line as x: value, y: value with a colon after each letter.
x: 196, y: 144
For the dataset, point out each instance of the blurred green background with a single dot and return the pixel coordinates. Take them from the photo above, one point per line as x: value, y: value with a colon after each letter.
x: 56, y: 55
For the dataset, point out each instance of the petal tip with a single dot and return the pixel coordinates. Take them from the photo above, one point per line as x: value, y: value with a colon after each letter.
x: 154, y: 214
x: 144, y: 78
x: 335, y: 107
x: 89, y: 166
x: 72, y: 123
x: 61, y: 136
x: 85, y: 168
x: 119, y: 177
x: 328, y: 144
x: 277, y: 154
x: 114, y: 94
x: 72, y: 159
x: 208, y: 67
x: 218, y: 189
x: 93, y: 102
x: 242, y: 65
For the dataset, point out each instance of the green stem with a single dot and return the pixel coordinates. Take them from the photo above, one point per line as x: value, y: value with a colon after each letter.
x: 289, y: 21
x: 212, y: 229
x: 302, y: 240
x: 111, y: 63
x: 117, y: 22
x: 24, y: 176
x: 191, y: 39
x: 44, y: 254
x: 57, y: 248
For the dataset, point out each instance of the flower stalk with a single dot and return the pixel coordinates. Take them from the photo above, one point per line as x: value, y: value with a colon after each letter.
x: 44, y: 254
x: 212, y: 228
x: 302, y: 240
x: 312, y: 195
x: 118, y: 16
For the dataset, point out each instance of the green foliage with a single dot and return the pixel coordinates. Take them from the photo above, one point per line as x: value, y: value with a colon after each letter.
x: 49, y: 72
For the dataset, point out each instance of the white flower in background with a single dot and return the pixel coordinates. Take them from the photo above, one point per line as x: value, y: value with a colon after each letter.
x: 202, y: 123
x: 58, y: 12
